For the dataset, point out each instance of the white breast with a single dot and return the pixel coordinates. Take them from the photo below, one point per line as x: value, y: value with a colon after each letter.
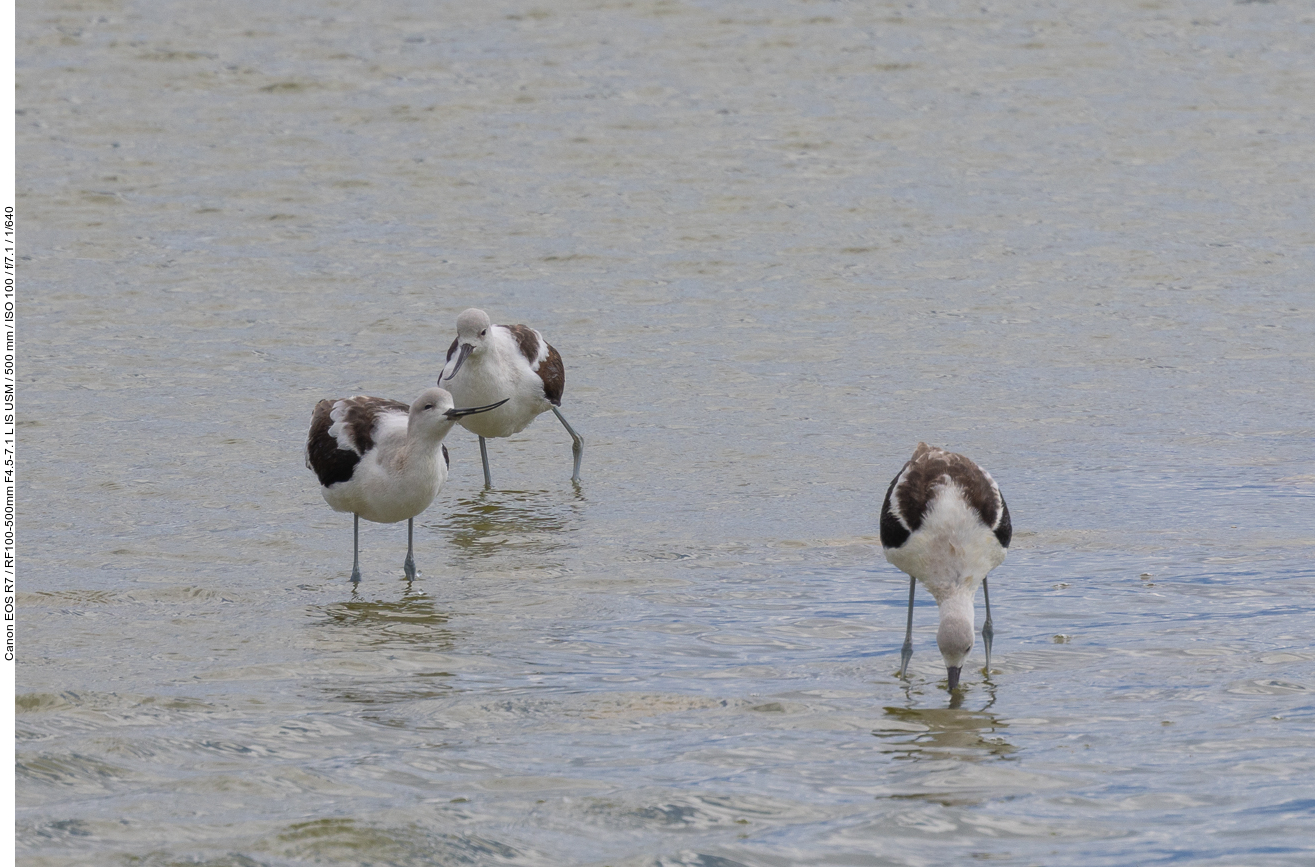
x: 499, y: 371
x: 952, y: 550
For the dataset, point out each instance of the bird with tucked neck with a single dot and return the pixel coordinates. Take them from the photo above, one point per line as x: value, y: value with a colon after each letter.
x: 383, y: 460
x: 488, y: 362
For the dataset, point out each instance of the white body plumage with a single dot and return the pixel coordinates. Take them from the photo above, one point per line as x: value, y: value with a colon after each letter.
x: 952, y: 551
x: 399, y: 477
x: 488, y: 362
x: 495, y: 368
x: 380, y: 459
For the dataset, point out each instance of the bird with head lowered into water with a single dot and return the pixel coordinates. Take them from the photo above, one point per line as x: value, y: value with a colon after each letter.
x: 945, y: 523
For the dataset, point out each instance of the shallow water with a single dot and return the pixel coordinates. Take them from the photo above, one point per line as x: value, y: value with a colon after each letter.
x: 777, y: 245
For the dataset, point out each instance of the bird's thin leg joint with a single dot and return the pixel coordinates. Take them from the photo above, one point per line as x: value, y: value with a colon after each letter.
x: 484, y: 456
x: 906, y: 653
x: 988, y: 631
x: 409, y: 567
x: 356, y: 548
x: 577, y: 443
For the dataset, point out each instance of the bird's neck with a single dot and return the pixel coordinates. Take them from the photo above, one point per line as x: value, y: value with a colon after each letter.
x: 423, y: 445
x: 956, y: 627
x: 958, y: 604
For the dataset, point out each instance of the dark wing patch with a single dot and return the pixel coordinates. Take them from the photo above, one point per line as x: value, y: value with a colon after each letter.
x: 977, y: 488
x: 1005, y: 532
x: 527, y: 339
x: 447, y: 461
x: 984, y: 497
x: 553, y: 374
x: 334, y: 458
x: 929, y: 469
x: 330, y: 463
x: 551, y: 370
x: 893, y: 531
x: 922, y: 478
x: 362, y: 414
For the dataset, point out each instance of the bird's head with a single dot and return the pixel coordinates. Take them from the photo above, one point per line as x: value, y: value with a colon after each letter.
x: 473, y: 328
x: 955, y: 637
x: 433, y: 410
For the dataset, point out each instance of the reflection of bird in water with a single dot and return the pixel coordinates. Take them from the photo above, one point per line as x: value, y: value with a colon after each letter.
x: 933, y: 732
x: 945, y: 523
x: 413, y: 621
x: 512, y: 363
x: 382, y: 460
x: 529, y: 523
x: 412, y: 629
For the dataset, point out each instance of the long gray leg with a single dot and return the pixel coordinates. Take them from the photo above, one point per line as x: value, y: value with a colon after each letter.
x: 577, y: 443
x: 484, y: 456
x: 906, y: 653
x: 356, y: 548
x: 988, y: 631
x: 409, y: 567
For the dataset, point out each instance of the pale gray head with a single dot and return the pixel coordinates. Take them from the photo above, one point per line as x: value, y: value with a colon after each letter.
x: 955, y: 639
x: 473, y: 326
x: 433, y: 412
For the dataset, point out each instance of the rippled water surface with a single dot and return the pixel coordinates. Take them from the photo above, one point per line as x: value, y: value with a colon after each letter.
x: 777, y: 244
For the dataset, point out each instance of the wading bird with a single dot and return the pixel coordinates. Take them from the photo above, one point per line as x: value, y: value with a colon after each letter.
x: 382, y: 460
x: 488, y: 362
x: 945, y: 523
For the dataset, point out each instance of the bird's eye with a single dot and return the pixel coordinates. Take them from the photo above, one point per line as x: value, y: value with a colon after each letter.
x: 482, y: 333
x: 429, y: 406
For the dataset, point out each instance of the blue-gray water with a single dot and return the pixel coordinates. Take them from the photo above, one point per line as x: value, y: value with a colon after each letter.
x: 777, y: 244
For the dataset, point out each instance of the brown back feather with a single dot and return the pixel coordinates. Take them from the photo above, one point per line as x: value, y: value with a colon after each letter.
x: 526, y: 339
x: 923, y: 476
x: 551, y: 370
x: 553, y: 374
x: 332, y: 459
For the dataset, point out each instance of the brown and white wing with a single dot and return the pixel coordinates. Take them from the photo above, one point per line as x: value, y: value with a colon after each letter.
x: 342, y: 431
x: 912, y: 491
x: 543, y: 359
